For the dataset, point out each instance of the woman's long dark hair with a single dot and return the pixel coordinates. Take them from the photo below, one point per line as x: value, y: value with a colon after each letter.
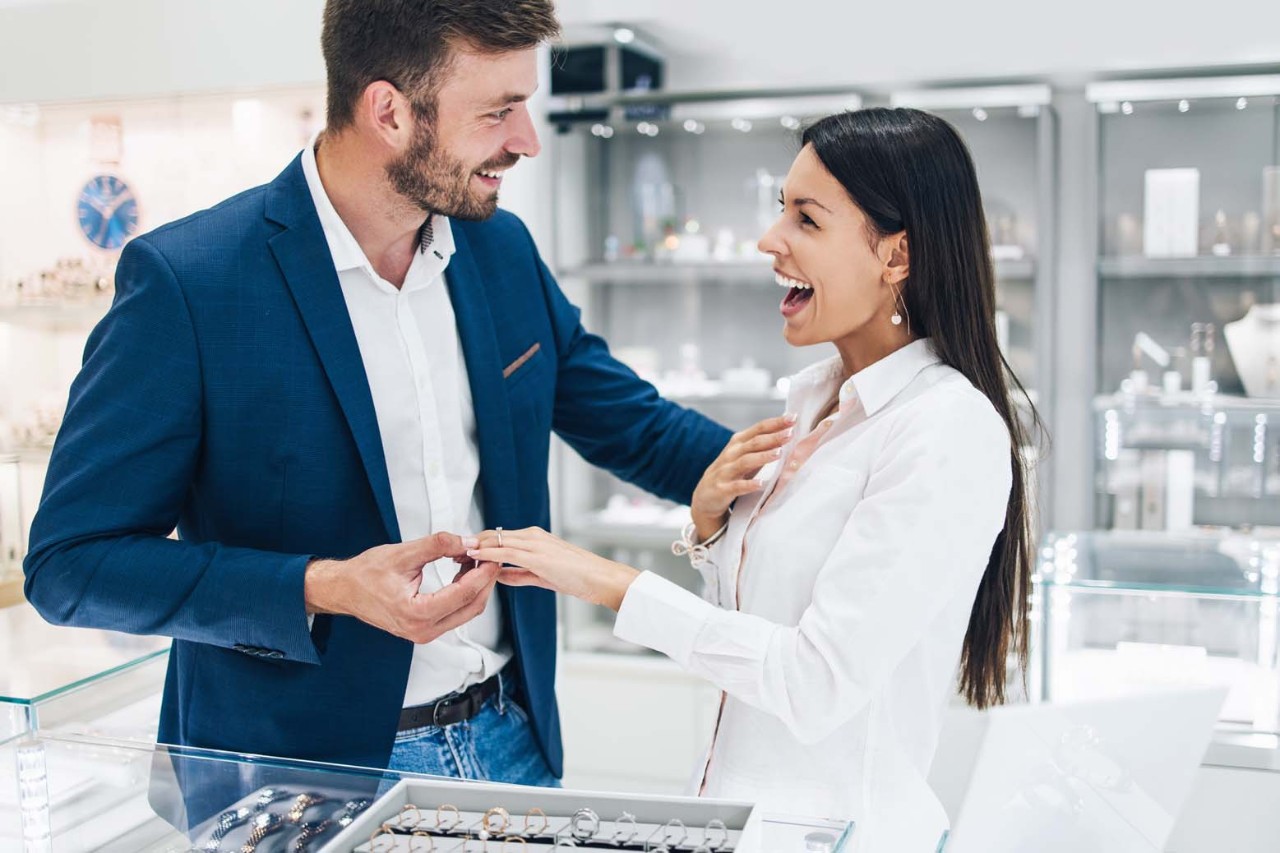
x: 909, y: 171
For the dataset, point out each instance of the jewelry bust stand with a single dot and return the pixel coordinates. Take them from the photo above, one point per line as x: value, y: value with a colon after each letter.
x: 1254, y: 343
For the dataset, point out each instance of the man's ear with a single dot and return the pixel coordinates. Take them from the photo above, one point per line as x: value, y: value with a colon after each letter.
x: 896, y: 257
x: 386, y: 113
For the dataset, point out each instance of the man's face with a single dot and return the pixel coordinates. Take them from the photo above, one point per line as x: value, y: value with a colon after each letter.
x: 481, y: 128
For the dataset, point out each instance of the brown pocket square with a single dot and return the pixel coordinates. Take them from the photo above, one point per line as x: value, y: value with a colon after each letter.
x: 519, y: 362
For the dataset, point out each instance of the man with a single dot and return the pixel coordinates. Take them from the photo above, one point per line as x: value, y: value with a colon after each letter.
x: 352, y: 358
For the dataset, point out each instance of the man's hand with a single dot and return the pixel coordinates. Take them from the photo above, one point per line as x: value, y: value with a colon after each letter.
x: 380, y: 587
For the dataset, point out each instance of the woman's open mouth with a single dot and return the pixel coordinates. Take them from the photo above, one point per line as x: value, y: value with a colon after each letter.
x: 798, y: 294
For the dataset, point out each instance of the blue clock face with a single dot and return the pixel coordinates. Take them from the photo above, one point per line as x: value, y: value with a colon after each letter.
x: 108, y: 211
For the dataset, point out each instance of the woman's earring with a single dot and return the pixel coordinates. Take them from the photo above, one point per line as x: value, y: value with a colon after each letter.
x: 896, y: 319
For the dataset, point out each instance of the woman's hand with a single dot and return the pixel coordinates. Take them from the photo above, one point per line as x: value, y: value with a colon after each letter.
x: 533, y: 557
x: 733, y: 473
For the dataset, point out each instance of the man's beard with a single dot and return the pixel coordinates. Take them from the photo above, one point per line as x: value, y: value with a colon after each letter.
x: 435, y: 182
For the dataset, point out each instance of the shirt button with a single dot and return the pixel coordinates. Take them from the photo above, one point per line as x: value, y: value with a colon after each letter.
x: 793, y: 465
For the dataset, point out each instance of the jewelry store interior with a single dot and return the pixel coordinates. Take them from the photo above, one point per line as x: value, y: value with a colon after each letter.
x: 1129, y: 163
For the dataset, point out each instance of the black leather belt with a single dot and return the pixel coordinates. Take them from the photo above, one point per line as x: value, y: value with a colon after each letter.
x: 450, y: 709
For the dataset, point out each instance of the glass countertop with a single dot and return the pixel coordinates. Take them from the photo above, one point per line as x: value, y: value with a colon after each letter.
x: 1204, y: 562
x: 42, y: 661
x: 67, y: 794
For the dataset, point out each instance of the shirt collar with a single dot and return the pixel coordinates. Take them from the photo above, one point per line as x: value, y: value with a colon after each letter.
x: 876, y: 384
x: 435, y: 235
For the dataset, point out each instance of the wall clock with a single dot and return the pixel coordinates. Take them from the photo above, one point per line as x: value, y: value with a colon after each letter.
x: 108, y: 211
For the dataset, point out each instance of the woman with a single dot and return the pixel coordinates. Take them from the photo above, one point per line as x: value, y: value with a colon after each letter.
x: 887, y: 535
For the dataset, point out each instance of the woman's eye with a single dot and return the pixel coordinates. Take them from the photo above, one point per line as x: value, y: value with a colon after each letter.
x: 805, y: 220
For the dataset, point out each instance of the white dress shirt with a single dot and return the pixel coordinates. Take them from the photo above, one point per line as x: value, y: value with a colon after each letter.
x: 412, y: 356
x: 835, y: 610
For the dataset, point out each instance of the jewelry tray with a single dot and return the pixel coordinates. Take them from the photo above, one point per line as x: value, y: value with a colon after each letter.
x: 652, y: 814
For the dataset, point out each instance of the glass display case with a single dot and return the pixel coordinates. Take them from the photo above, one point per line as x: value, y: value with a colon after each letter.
x: 1189, y: 230
x: 1011, y: 133
x: 1119, y: 611
x: 1174, y: 461
x: 58, y: 679
x: 659, y: 207
x: 660, y: 202
x: 73, y: 794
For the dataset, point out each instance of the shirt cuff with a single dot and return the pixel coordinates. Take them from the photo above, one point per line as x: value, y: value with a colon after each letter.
x: 662, y: 616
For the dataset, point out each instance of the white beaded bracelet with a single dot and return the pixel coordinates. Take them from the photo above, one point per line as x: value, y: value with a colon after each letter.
x: 698, y: 552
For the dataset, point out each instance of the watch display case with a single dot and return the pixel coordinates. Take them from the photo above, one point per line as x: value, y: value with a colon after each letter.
x: 73, y: 794
x: 58, y: 679
x: 1119, y: 611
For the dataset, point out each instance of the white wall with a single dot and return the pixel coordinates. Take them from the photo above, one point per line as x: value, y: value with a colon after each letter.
x: 752, y: 43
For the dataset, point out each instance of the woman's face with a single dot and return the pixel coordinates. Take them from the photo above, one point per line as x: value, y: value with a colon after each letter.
x: 835, y: 270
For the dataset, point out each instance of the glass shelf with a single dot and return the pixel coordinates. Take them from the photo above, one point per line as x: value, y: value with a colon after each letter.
x: 1203, y: 266
x: 55, y: 317
x: 747, y: 272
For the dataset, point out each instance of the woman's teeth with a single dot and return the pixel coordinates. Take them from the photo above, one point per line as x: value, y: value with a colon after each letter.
x: 783, y: 281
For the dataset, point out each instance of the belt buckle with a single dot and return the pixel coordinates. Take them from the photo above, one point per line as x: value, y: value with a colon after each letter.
x: 436, y: 708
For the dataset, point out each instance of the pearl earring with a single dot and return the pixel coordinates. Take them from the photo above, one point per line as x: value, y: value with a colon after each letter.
x: 896, y: 319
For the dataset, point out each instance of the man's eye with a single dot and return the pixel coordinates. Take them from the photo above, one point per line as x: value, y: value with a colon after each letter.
x: 501, y: 114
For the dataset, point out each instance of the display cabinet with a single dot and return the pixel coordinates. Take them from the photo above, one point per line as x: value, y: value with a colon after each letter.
x: 1120, y: 611
x: 72, y: 794
x: 1189, y: 230
x: 1174, y: 461
x: 58, y: 679
x: 660, y: 201
x: 659, y: 205
x: 1011, y: 132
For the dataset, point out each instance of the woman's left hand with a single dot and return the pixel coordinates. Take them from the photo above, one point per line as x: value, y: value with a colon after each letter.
x: 533, y: 557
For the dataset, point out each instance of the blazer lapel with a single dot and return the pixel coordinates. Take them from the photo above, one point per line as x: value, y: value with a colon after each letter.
x: 303, y: 255
x: 488, y: 391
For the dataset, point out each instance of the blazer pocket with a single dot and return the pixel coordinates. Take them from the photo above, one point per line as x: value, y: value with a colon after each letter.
x: 522, y: 366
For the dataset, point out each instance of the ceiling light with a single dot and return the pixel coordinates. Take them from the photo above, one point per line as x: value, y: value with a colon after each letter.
x: 1126, y: 108
x: 1184, y: 105
x: 1242, y: 103
x: 790, y: 122
x: 741, y: 124
x: 624, y: 35
x: 979, y: 113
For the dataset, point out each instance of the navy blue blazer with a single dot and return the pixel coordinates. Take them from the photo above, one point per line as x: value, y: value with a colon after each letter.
x: 224, y: 394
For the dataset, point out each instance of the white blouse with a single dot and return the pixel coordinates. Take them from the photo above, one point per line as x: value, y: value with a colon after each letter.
x: 835, y: 610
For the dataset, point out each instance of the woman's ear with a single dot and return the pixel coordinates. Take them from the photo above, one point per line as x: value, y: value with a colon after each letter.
x: 897, y: 264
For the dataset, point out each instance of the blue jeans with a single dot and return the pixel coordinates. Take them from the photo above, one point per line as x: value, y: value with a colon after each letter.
x: 495, y: 745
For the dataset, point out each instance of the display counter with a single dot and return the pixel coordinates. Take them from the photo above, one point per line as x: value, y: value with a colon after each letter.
x: 73, y: 793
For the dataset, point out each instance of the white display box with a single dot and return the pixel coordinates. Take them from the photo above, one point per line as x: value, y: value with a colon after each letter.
x: 682, y: 823
x: 1171, y: 213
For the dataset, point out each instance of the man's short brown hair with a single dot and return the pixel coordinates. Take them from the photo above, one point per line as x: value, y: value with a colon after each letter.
x: 408, y: 43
